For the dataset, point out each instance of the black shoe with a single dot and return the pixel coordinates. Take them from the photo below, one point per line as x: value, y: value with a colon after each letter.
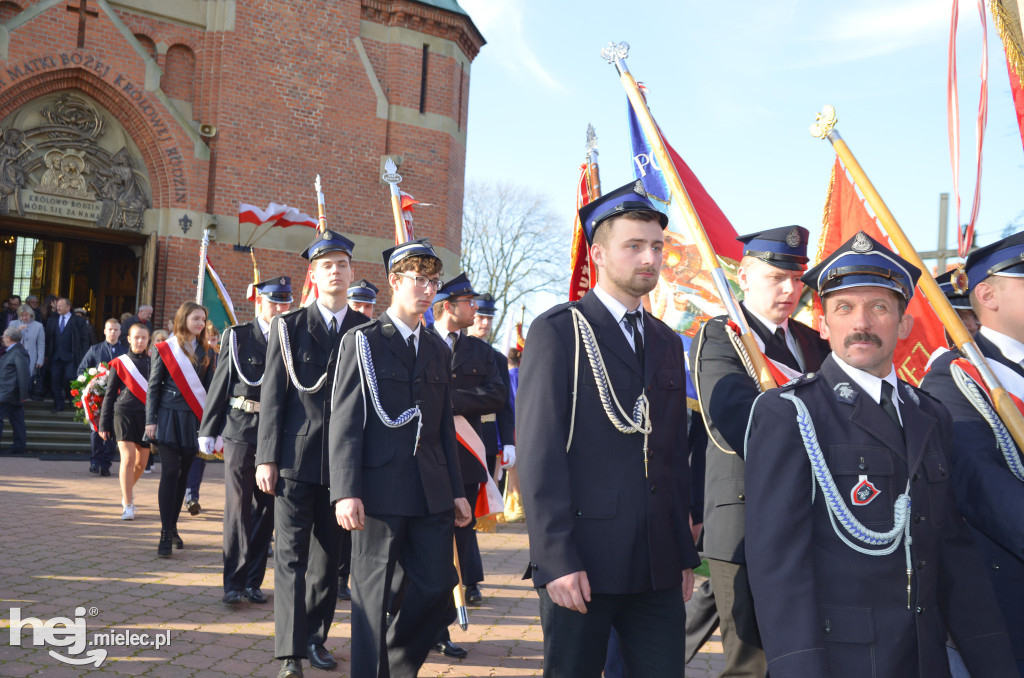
x: 254, y: 595
x: 193, y: 507
x: 344, y: 593
x: 290, y: 668
x: 104, y: 471
x: 319, y: 657
x: 163, y: 549
x: 450, y: 649
x: 473, y: 595
x: 94, y: 468
x: 232, y: 598
x: 176, y: 540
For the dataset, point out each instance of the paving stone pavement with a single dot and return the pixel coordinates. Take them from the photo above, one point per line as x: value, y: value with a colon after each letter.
x: 63, y: 546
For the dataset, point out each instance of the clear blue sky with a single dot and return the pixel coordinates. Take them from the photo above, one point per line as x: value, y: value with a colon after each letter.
x: 734, y: 87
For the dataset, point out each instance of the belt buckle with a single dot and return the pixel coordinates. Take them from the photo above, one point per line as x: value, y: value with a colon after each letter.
x: 248, y: 406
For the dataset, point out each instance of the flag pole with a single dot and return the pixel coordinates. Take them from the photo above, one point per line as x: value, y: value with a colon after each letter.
x: 460, y: 594
x: 823, y: 128
x: 616, y: 54
x: 593, y: 176
x: 202, y: 265
x: 320, y: 207
x: 391, y: 177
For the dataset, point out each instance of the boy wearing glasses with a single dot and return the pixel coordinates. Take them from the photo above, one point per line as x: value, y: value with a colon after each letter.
x: 395, y: 479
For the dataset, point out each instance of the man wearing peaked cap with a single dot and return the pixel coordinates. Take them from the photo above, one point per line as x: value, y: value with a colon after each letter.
x: 232, y: 412
x: 395, y: 478
x: 607, y: 497
x: 362, y: 297
x: 498, y: 431
x: 987, y: 479
x: 477, y: 391
x: 769, y: 275
x: 291, y: 456
x: 859, y: 561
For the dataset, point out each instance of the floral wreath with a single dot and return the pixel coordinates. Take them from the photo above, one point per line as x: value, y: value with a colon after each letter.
x: 87, y: 392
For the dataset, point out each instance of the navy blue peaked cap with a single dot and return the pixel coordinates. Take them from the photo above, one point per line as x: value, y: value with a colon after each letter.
x: 862, y: 261
x: 456, y: 287
x: 413, y: 248
x: 328, y: 241
x: 629, y: 198
x: 1004, y: 258
x: 364, y: 292
x: 784, y: 247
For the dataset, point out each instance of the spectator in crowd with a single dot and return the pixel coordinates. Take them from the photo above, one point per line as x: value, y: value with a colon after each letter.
x: 154, y: 339
x: 32, y: 338
x: 67, y: 340
x: 123, y: 416
x: 48, y: 308
x: 11, y: 312
x: 103, y: 449
x: 195, y: 474
x: 145, y: 316
x: 125, y: 317
x: 14, y: 378
x: 33, y: 301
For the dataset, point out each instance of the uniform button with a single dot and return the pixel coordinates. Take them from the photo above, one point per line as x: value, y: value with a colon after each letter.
x: 862, y: 466
x: 579, y: 513
x: 920, y: 610
x: 828, y: 626
x: 917, y: 517
x: 917, y: 476
x: 995, y: 566
x: 654, y: 488
x: 454, y: 375
x: 416, y: 380
x: 671, y: 382
x: 920, y: 564
x: 742, y: 497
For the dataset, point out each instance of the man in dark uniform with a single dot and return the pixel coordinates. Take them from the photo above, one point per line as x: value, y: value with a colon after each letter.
x: 362, y: 297
x: 498, y: 430
x: 233, y: 413
x: 858, y: 558
x: 603, y: 471
x: 291, y: 457
x: 394, y: 470
x: 769, y: 275
x: 988, y: 480
x: 477, y: 390
x: 67, y: 340
x: 103, y: 451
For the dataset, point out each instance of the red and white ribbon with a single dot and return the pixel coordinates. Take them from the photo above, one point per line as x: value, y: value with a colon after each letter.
x: 184, y: 374
x: 130, y: 375
x: 90, y: 416
x: 488, y: 498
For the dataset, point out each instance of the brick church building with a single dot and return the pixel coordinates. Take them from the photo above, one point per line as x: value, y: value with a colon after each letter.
x: 128, y: 126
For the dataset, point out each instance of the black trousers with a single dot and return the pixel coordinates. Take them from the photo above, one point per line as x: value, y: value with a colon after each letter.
x: 741, y: 639
x: 16, y: 414
x: 103, y: 451
x: 465, y: 539
x: 305, y: 566
x: 248, y: 519
x: 423, y: 547
x: 174, y: 465
x: 648, y: 626
x: 345, y: 555
x: 61, y: 374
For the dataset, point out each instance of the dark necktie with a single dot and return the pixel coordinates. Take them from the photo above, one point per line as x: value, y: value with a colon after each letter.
x: 777, y: 350
x: 411, y: 341
x: 63, y: 322
x: 886, y: 402
x: 333, y: 327
x: 454, y: 336
x: 633, y: 320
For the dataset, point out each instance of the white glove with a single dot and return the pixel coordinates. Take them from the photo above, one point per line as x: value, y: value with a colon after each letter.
x: 206, y: 445
x: 508, y: 457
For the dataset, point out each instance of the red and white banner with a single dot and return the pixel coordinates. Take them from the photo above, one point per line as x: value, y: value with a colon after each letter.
x: 781, y: 372
x: 184, y: 375
x: 488, y: 498
x: 130, y: 375
x: 275, y: 215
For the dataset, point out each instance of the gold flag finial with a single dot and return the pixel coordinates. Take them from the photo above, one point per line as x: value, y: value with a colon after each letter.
x: 824, y: 122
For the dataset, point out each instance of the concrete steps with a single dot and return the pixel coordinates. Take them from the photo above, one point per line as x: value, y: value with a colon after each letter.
x: 50, y: 432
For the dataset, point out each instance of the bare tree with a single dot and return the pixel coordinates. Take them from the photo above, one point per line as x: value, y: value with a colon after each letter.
x: 513, y: 245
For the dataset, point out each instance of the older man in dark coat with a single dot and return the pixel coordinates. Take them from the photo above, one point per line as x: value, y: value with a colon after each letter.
x: 14, y: 383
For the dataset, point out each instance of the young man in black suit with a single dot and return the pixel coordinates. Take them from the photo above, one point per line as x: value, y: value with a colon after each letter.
x: 233, y: 412
x: 291, y: 457
x: 602, y: 425
x: 395, y: 476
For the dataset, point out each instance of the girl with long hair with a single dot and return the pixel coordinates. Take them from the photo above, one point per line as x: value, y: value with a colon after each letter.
x: 123, y: 415
x: 182, y: 367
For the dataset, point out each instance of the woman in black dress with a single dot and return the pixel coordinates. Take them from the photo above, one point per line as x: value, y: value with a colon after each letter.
x: 171, y: 423
x: 123, y: 416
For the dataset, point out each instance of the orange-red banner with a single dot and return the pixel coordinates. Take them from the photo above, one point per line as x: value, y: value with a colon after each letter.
x: 583, y: 275
x: 845, y: 214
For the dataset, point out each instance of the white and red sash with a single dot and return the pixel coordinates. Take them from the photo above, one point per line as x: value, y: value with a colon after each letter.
x: 129, y: 373
x: 184, y: 374
x: 488, y: 498
x: 1010, y: 380
x: 781, y: 372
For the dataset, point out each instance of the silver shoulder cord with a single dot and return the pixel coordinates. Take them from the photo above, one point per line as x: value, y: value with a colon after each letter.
x: 368, y: 382
x: 980, y: 402
x: 836, y: 505
x: 741, y: 350
x: 233, y: 348
x: 639, y: 422
x: 287, y: 355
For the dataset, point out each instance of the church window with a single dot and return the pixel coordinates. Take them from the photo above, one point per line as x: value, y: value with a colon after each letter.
x: 23, y: 251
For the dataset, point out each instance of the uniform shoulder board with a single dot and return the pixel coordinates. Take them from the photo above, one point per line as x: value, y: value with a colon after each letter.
x: 799, y: 381
x: 559, y: 309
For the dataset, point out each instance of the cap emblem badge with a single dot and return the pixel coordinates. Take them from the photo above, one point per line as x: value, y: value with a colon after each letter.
x: 861, y: 243
x: 793, y: 238
x: 639, y: 189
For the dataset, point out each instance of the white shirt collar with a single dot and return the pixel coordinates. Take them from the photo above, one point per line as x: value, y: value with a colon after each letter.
x: 265, y: 327
x: 1012, y: 349
x: 327, y: 314
x: 614, y: 306
x: 443, y: 332
x: 404, y: 329
x: 869, y: 383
